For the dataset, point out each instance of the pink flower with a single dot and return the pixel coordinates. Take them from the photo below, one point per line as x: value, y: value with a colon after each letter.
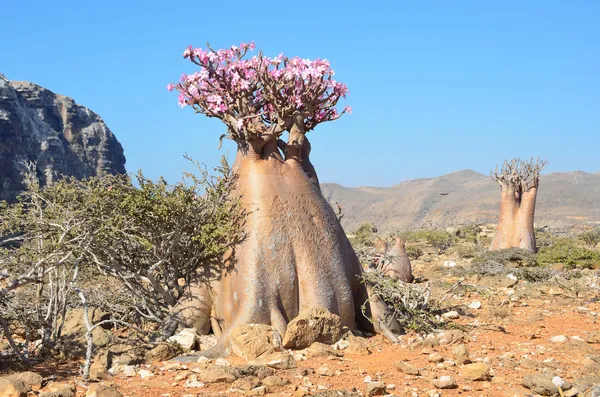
x: 348, y: 109
x: 170, y: 87
x: 187, y: 52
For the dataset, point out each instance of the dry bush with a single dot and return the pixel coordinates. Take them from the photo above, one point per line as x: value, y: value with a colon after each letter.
x: 591, y: 238
x: 150, y: 237
x: 411, y: 304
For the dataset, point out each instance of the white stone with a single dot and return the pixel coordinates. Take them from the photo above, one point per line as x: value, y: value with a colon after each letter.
x: 558, y: 339
x: 475, y: 305
x: 145, y: 374
x: 451, y: 315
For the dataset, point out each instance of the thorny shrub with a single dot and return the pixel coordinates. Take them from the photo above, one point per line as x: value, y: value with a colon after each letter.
x: 411, y: 304
x: 150, y: 238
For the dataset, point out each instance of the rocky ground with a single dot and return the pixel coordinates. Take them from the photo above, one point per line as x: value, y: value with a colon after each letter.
x: 505, y: 337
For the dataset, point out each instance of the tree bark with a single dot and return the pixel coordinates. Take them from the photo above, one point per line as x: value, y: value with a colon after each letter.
x: 295, y: 255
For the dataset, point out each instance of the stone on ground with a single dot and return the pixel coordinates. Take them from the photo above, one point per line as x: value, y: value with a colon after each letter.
x: 253, y: 341
x: 312, y: 325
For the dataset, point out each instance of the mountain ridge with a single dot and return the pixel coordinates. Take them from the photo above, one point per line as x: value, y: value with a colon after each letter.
x: 463, y: 197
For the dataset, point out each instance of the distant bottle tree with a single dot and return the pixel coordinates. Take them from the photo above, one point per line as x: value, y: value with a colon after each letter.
x: 519, y: 181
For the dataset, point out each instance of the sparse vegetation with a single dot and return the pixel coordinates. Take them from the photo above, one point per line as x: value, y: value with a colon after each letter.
x: 515, y: 256
x: 147, y: 241
x: 411, y: 304
x: 569, y: 252
x: 414, y: 252
x: 591, y: 237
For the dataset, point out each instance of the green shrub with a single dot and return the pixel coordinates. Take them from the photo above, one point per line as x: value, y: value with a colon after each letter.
x: 440, y: 240
x: 414, y: 252
x: 469, y: 232
x: 365, y: 234
x: 568, y: 252
x: 591, y: 237
x: 465, y: 251
x: 510, y: 255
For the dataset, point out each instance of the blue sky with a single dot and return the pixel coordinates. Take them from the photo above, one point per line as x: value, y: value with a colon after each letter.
x: 435, y: 86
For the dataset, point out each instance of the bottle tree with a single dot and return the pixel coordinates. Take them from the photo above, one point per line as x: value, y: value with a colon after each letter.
x: 519, y: 181
x: 295, y: 255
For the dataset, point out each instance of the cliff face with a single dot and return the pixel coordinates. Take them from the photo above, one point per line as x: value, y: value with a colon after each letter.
x: 62, y: 137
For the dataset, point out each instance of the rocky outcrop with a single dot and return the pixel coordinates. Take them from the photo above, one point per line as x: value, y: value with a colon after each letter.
x: 60, y: 136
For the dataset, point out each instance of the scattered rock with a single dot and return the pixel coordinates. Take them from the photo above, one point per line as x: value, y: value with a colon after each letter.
x: 461, y: 354
x: 246, y: 384
x: 59, y: 390
x: 451, y: 337
x: 375, y: 389
x: 475, y: 305
x: 163, y: 352
x: 283, y: 360
x: 186, y: 338
x: 275, y: 381
x: 540, y: 384
x: 357, y: 345
x: 215, y: 374
x: 312, y: 325
x: 101, y: 390
x: 205, y: 342
x: 435, y: 358
x: 449, y: 264
x: 253, y: 341
x: 13, y: 388
x: 475, y: 371
x: 258, y: 391
x: 324, y: 371
x: 559, y: 339
x: 318, y: 349
x: 445, y: 382
x: 451, y: 315
x: 144, y: 373
x: 128, y: 371
x: 30, y: 379
x: 407, y: 368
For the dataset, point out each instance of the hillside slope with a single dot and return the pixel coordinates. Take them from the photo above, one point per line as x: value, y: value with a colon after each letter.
x: 464, y: 197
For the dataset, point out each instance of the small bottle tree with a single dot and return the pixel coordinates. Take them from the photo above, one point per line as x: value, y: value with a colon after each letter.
x: 296, y: 255
x: 519, y: 181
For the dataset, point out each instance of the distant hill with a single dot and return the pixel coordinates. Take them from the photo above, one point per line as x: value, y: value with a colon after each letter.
x: 464, y: 197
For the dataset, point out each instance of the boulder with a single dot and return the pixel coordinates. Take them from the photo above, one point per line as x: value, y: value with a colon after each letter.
x: 375, y: 389
x: 13, y: 388
x: 406, y: 368
x: 30, y: 379
x: 254, y: 341
x: 540, y: 384
x: 475, y: 371
x: 312, y: 325
x: 101, y: 390
x: 245, y: 384
x: 275, y: 381
x: 186, y: 338
x: 445, y: 382
x: 59, y: 390
x: 163, y: 352
x: 283, y: 360
x: 216, y: 374
x: 461, y: 354
x: 318, y: 349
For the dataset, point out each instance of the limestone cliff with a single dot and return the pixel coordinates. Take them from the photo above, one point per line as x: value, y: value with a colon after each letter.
x: 62, y: 137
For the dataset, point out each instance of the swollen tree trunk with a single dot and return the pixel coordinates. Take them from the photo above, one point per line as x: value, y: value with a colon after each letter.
x: 295, y: 255
x: 519, y: 182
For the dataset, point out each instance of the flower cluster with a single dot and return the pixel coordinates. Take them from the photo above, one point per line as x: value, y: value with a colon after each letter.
x: 260, y: 93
